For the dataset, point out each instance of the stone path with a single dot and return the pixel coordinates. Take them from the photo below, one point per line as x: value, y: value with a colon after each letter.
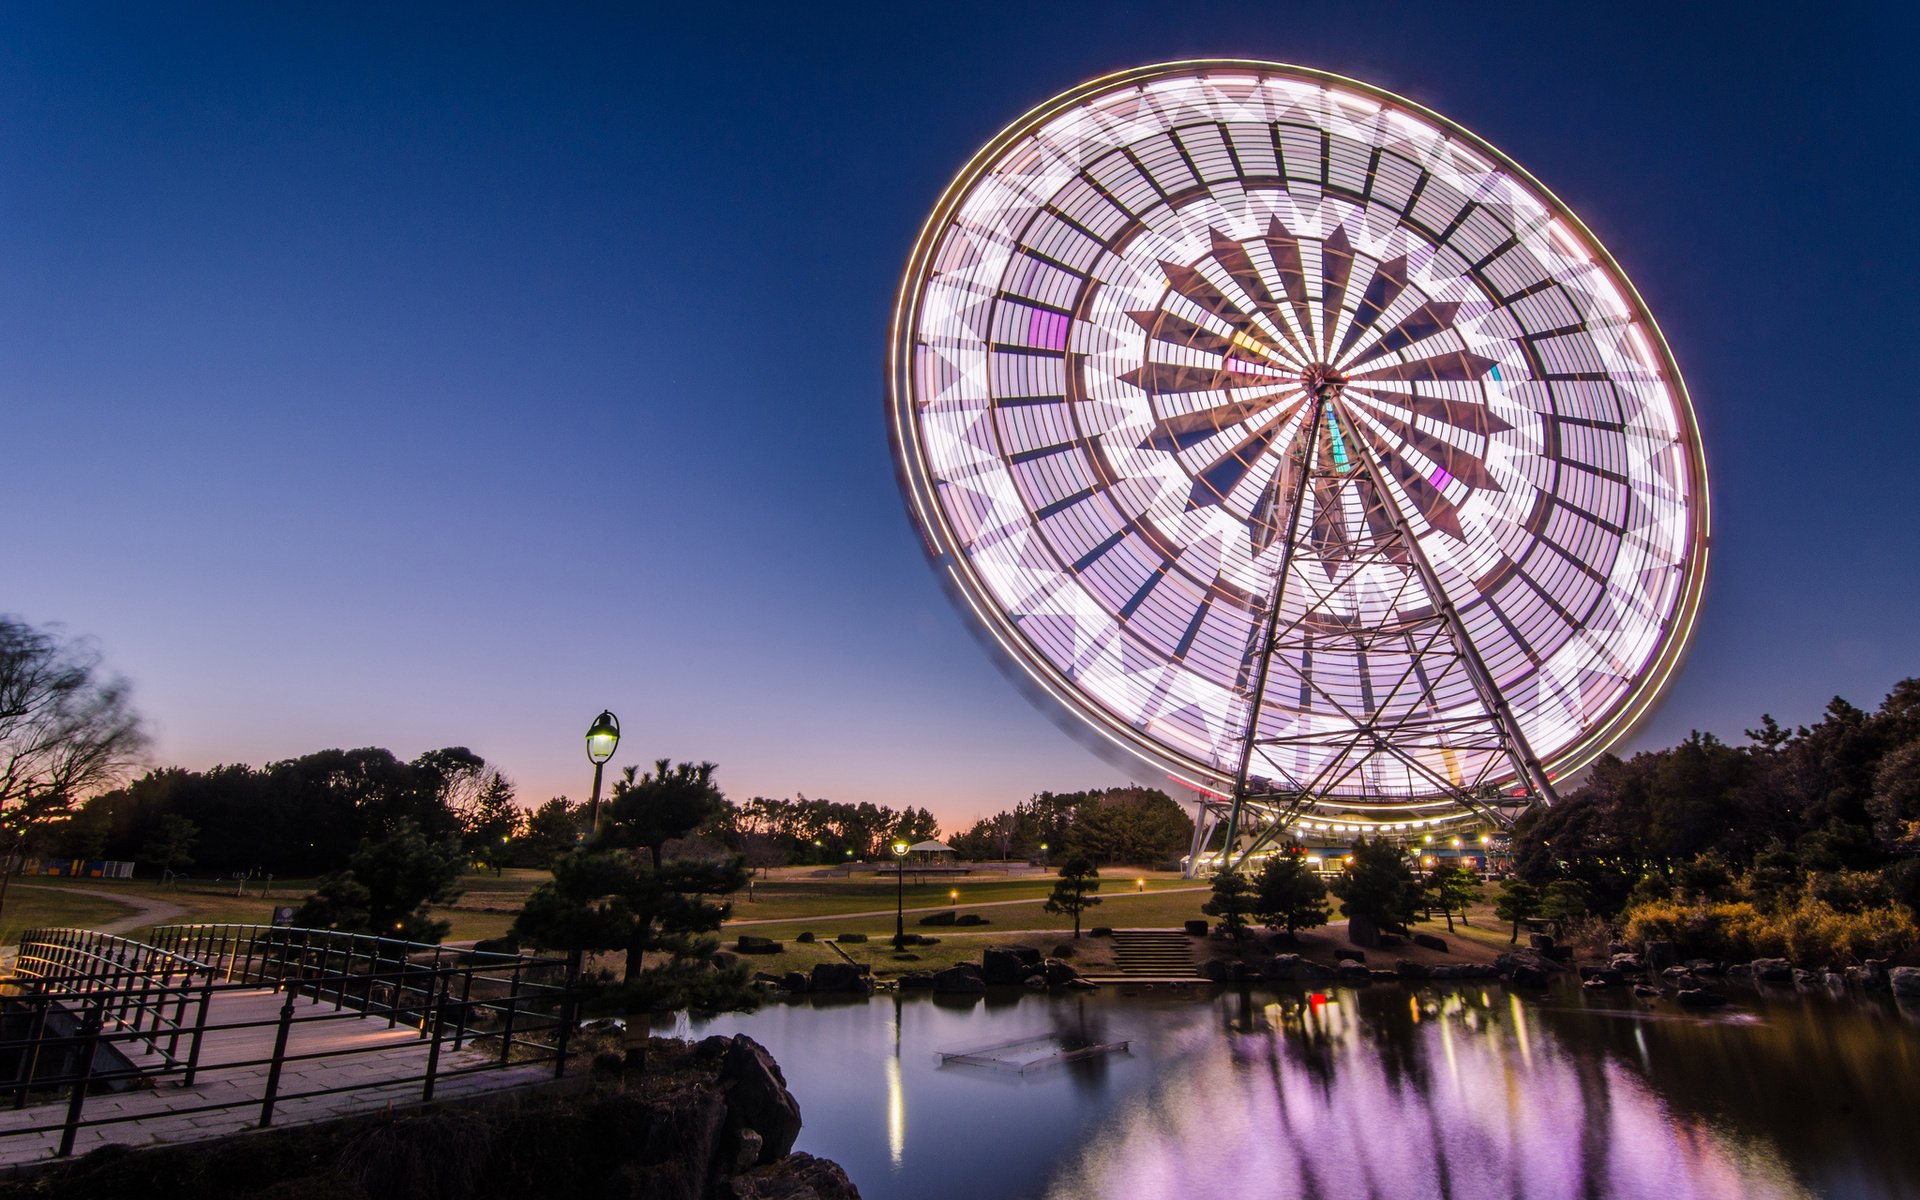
x: 384, y: 1057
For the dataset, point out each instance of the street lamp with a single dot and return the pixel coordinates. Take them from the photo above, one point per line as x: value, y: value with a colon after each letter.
x: 602, y: 736
x: 1043, y: 856
x: 900, y: 895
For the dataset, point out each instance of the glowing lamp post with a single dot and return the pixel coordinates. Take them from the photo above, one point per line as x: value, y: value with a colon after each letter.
x: 900, y: 895
x: 602, y: 736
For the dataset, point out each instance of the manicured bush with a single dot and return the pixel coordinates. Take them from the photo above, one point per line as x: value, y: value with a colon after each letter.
x: 971, y: 919
x: 851, y: 938
x: 939, y: 918
x: 1811, y: 933
x: 806, y: 936
x: 1100, y: 931
x: 929, y: 941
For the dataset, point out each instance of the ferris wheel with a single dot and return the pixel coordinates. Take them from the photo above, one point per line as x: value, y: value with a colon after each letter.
x: 1302, y: 444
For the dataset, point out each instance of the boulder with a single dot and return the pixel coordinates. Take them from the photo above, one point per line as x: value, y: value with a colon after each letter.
x: 1362, y: 930
x: 1531, y: 977
x: 1216, y: 970
x: 1703, y: 966
x: 838, y: 977
x: 1772, y: 970
x: 1313, y: 972
x: 939, y: 918
x: 917, y: 979
x: 1658, y: 956
x: 1515, y: 960
x: 1001, y: 965
x: 1282, y: 968
x: 1409, y: 970
x: 1803, y: 978
x: 1626, y: 962
x: 1196, y: 928
x: 1082, y: 985
x: 1542, y: 942
x: 1059, y: 973
x: 1100, y: 931
x: 1869, y: 976
x: 757, y: 1098
x: 1382, y: 975
x: 722, y: 959
x: 1603, y: 977
x: 1700, y: 998
x: 1905, y: 981
x: 797, y: 982
x: 1340, y: 956
x: 1037, y: 982
x: 1430, y: 941
x: 1618, y: 948
x: 1352, y: 972
x: 1641, y: 989
x: 499, y: 945
x: 1446, y: 971
x: 962, y: 978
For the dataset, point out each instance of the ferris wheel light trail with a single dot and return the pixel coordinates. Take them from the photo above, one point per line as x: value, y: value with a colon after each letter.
x: 1301, y: 444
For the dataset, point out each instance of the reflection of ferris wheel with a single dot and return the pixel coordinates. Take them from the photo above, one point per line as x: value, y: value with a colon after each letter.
x: 1302, y: 443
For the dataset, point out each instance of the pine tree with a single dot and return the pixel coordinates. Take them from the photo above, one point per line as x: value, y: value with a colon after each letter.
x: 1078, y: 878
x: 1516, y: 901
x: 1233, y: 902
x: 1288, y: 895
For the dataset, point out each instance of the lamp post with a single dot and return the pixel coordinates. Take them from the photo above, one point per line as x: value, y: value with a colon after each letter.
x: 900, y: 895
x: 602, y: 736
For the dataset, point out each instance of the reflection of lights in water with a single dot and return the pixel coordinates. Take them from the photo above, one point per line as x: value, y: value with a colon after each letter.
x: 896, y: 1112
x: 1640, y: 1040
x: 1278, y: 1115
x: 1520, y: 1031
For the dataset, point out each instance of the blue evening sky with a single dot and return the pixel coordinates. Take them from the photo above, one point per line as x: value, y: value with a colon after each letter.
x: 410, y: 376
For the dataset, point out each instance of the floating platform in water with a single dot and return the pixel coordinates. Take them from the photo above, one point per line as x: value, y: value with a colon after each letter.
x: 1034, y: 1053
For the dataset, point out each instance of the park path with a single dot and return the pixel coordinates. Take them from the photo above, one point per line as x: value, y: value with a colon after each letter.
x: 145, y: 912
x: 881, y: 912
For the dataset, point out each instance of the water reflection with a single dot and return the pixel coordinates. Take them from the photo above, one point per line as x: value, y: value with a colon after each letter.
x: 1340, y: 1097
x: 1382, y: 1091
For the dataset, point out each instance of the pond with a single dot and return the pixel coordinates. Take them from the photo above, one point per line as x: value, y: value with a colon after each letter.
x: 1397, y: 1091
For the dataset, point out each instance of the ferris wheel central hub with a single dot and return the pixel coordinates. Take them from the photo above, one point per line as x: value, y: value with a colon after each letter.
x: 1323, y: 380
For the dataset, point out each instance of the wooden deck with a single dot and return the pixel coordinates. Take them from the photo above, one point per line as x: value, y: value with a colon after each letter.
x: 382, y: 1065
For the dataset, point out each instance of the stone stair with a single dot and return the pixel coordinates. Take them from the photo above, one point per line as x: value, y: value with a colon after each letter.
x: 1153, y: 954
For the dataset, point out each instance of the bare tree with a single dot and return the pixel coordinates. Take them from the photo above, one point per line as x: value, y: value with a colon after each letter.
x: 66, y: 730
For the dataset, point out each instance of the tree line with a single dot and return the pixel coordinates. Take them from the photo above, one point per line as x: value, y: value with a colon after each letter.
x: 1134, y: 825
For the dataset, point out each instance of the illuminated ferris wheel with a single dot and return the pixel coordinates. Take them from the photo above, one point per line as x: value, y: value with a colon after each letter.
x: 1300, y: 442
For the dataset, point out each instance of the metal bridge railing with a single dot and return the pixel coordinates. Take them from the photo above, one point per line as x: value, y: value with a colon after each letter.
x: 85, y: 1011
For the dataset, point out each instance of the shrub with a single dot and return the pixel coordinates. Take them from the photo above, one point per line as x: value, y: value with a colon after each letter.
x: 851, y: 938
x: 929, y: 941
x: 971, y: 919
x: 1063, y: 950
x: 1809, y: 933
x: 805, y: 936
x: 939, y: 918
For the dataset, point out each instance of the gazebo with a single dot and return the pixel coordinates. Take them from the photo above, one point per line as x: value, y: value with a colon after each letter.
x: 931, y: 854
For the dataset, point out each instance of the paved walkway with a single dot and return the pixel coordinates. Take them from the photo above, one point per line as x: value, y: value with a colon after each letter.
x: 888, y: 912
x: 387, y: 1056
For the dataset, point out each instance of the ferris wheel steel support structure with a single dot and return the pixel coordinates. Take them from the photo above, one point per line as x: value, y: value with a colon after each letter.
x: 1311, y: 445
x: 1368, y: 732
x: 1526, y: 765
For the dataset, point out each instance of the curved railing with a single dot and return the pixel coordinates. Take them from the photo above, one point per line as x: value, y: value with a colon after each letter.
x: 84, y: 1010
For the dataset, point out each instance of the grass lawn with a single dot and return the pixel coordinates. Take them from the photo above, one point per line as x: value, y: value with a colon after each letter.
x: 37, y: 908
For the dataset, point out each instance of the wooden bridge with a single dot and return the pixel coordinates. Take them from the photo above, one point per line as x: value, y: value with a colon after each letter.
x: 206, y: 1030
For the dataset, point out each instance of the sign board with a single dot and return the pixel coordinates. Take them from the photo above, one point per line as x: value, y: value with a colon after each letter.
x: 283, y: 914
